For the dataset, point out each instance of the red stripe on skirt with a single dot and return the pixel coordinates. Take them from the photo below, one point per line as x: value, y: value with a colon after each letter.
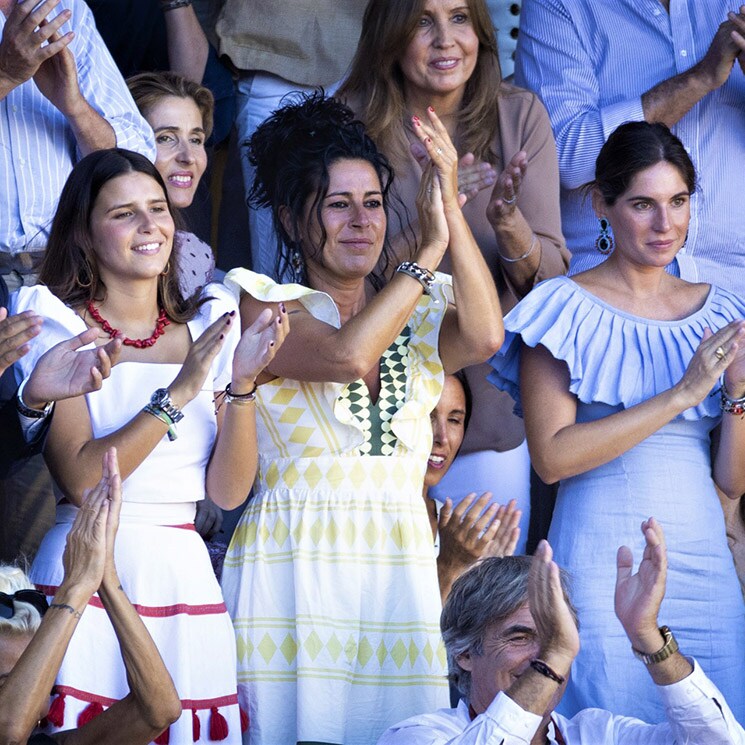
x: 153, y: 611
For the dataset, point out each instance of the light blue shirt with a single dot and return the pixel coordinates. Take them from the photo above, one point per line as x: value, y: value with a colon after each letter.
x: 37, y: 146
x: 590, y: 62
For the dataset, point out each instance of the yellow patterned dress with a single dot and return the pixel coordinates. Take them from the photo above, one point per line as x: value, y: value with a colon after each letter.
x: 330, y: 577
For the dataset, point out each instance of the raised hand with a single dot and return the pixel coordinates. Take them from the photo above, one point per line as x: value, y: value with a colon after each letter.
x: 503, y: 202
x: 90, y: 542
x: 15, y: 333
x: 473, y: 176
x: 63, y: 372
x: 557, y: 631
x: 257, y: 347
x: 639, y: 596
x: 475, y: 529
x: 714, y: 355
x: 432, y: 222
x: 57, y: 78
x: 193, y: 373
x: 443, y: 156
x: 24, y: 47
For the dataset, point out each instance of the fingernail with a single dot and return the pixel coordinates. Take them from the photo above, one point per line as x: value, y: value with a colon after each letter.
x: 232, y: 312
x: 282, y: 307
x: 429, y: 139
x: 429, y: 108
x: 417, y: 123
x: 271, y: 343
x: 222, y: 336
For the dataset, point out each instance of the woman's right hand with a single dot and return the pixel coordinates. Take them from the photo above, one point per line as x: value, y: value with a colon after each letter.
x: 90, y: 542
x: 714, y: 355
x: 193, y: 373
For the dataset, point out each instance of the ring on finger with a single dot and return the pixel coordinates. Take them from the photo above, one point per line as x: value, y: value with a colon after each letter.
x: 509, y: 201
x: 439, y: 151
x: 720, y: 353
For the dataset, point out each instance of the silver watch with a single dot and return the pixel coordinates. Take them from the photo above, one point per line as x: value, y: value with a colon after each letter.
x: 161, y: 399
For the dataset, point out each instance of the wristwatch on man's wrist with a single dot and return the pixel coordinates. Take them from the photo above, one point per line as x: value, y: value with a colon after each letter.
x: 27, y: 411
x: 669, y: 648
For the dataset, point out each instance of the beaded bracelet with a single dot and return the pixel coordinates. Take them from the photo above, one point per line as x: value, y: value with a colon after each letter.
x: 166, y: 5
x: 425, y: 278
x: 730, y: 405
x: 507, y: 259
x: 541, y: 667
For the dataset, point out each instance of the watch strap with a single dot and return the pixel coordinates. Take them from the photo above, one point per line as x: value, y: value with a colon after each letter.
x: 669, y: 648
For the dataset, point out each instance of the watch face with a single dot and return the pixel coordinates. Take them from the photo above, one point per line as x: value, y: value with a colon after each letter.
x: 160, y: 397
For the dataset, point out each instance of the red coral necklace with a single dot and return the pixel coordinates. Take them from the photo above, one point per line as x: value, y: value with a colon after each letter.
x: 160, y: 326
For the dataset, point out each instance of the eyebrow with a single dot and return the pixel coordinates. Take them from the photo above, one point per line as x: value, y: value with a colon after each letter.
x: 349, y: 194
x: 518, y: 629
x: 159, y: 200
x: 458, y: 411
x: 175, y: 128
x: 685, y: 193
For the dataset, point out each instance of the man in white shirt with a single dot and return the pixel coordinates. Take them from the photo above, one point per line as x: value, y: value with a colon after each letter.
x: 511, y: 636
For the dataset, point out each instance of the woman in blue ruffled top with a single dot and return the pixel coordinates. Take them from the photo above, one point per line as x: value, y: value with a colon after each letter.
x: 617, y: 371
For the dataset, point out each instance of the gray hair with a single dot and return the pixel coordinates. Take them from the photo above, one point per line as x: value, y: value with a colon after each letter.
x: 26, y: 619
x: 486, y: 594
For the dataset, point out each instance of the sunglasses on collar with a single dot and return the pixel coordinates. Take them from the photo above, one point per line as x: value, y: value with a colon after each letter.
x: 33, y: 597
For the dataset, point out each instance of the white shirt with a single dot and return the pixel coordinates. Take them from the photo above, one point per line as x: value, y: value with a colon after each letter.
x: 697, y: 714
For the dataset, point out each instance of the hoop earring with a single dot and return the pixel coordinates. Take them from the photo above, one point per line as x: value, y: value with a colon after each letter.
x: 604, y: 241
x: 164, y: 273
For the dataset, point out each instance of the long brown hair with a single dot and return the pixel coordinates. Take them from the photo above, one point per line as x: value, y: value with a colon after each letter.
x: 70, y: 267
x: 376, y: 82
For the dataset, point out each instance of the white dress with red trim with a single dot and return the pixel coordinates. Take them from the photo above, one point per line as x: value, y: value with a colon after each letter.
x: 162, y: 562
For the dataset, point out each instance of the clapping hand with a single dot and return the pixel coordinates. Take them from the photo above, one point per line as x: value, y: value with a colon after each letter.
x: 475, y: 529
x: 89, y: 551
x: 257, y: 347
x: 557, y: 630
x: 506, y: 190
x: 63, y: 372
x: 639, y: 596
x: 29, y: 40
x: 15, y: 333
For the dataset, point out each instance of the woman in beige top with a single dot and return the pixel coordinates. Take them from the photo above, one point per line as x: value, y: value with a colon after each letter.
x: 442, y: 53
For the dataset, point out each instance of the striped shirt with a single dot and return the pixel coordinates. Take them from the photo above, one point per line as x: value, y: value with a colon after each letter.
x: 590, y: 62
x: 37, y: 146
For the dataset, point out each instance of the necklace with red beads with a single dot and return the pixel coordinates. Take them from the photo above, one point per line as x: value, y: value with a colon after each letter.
x: 160, y: 326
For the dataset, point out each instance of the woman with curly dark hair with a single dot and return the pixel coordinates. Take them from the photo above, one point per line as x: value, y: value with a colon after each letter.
x: 330, y: 577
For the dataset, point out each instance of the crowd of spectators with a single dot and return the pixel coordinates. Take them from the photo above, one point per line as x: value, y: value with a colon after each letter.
x: 336, y: 365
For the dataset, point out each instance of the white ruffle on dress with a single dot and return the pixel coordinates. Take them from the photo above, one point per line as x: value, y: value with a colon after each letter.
x: 162, y: 562
x: 330, y: 577
x: 617, y: 360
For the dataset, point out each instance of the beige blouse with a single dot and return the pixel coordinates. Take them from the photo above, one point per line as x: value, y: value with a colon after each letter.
x: 523, y: 125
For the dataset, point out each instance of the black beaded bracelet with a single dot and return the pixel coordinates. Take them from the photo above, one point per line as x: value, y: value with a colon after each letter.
x: 541, y: 667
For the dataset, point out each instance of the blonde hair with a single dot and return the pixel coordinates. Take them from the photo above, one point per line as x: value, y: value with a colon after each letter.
x: 26, y: 619
x: 375, y: 85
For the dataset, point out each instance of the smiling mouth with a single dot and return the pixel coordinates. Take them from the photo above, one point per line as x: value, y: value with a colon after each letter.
x: 436, y: 461
x: 181, y: 181
x: 147, y: 248
x: 444, y: 64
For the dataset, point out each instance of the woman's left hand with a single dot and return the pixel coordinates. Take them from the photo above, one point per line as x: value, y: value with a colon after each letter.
x: 257, y: 347
x: 503, y: 202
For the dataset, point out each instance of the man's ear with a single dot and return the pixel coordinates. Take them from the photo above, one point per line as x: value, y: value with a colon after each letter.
x: 465, y: 661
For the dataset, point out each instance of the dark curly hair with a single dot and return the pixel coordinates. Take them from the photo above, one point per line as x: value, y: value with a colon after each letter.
x: 292, y: 152
x: 70, y: 266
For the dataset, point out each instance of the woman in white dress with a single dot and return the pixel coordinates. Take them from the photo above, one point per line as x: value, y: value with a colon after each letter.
x: 109, y: 265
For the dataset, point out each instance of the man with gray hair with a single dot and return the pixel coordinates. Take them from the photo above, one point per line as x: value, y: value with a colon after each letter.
x: 511, y: 635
